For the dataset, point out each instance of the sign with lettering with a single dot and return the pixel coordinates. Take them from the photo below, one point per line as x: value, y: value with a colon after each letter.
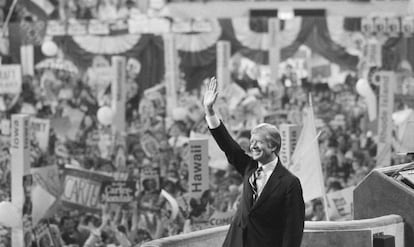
x: 10, y: 79
x: 198, y: 174
x: 385, y: 125
x: 56, y: 28
x: 40, y: 129
x: 150, y: 178
x: 118, y: 191
x: 221, y: 218
x: 98, y: 27
x: 81, y: 189
x: 340, y: 203
x: 20, y: 170
x: 290, y: 135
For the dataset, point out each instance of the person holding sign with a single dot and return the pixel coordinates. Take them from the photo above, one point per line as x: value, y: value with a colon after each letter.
x: 271, y: 211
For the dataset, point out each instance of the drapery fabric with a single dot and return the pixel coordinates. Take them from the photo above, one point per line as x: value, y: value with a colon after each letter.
x: 197, y: 51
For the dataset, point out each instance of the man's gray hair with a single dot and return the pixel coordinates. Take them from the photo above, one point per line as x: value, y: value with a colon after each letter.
x: 271, y: 133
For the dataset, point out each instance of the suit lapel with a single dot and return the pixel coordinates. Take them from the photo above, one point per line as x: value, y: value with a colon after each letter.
x: 271, y: 184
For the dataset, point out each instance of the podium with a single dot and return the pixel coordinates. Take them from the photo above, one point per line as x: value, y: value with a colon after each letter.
x: 386, y: 191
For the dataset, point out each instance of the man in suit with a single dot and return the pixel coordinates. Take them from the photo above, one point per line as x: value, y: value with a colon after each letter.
x: 271, y: 211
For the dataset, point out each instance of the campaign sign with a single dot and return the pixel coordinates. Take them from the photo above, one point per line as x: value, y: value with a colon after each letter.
x: 118, y: 191
x: 82, y: 189
x: 10, y: 79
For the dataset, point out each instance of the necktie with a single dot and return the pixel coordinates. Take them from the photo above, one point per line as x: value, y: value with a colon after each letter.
x: 253, y: 182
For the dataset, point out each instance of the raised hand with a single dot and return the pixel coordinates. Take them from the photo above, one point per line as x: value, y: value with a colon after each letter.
x: 210, y: 95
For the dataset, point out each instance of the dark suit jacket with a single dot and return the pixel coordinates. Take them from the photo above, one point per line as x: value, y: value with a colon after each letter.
x: 276, y: 219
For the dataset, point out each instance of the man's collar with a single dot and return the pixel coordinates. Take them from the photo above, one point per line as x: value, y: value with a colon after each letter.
x: 270, y: 165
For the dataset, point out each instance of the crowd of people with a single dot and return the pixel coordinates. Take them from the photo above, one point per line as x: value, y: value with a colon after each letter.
x: 155, y: 155
x: 159, y: 143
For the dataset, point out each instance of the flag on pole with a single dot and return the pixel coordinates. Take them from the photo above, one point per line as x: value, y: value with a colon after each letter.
x: 306, y: 162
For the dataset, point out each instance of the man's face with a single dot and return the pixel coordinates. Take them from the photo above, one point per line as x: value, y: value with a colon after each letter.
x: 260, y: 149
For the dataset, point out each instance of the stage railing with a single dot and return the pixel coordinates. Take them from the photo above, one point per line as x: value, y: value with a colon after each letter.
x: 326, y: 233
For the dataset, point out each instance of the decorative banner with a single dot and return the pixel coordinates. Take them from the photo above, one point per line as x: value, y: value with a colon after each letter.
x: 27, y: 59
x: 367, y: 25
x: 290, y: 135
x: 77, y: 27
x: 48, y: 178
x: 393, y: 27
x: 198, y: 174
x: 81, y: 189
x: 385, y: 126
x: 20, y: 169
x: 407, y: 26
x: 10, y: 79
x: 373, y: 52
x: 97, y: 27
x: 379, y: 25
x: 223, y: 64
x: 138, y: 25
x: 118, y: 191
x: 56, y: 28
x: 341, y: 203
x: 40, y: 129
x: 118, y: 90
x: 274, y: 49
x: 171, y: 72
x: 221, y: 218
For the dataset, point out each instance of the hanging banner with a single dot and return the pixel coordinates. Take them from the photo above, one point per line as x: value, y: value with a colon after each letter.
x: 40, y: 130
x: 171, y: 72
x: 367, y: 26
x: 385, y: 126
x: 81, y: 189
x: 393, y: 27
x: 223, y: 64
x: 379, y: 25
x: 10, y: 79
x: 407, y: 26
x: 20, y: 171
x: 274, y: 49
x: 198, y: 173
x: 290, y: 135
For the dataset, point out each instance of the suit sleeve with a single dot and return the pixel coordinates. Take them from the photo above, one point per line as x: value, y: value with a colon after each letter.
x: 295, y: 215
x: 236, y: 156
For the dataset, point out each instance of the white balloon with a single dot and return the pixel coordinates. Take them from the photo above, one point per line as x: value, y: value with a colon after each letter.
x: 9, y: 215
x: 105, y: 115
x: 49, y: 48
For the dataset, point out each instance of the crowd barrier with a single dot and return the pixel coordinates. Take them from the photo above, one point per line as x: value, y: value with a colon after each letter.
x: 317, y: 233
